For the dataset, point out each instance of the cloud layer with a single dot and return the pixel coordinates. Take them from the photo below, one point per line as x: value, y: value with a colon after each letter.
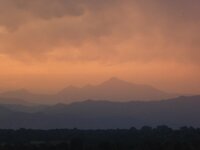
x: 106, y: 30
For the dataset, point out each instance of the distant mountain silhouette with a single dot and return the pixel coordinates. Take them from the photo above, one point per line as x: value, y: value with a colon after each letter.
x: 6, y: 100
x: 177, y: 112
x: 27, y: 97
x: 113, y: 89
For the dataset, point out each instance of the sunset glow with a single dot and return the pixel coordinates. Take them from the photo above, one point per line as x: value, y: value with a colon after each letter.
x: 46, y: 45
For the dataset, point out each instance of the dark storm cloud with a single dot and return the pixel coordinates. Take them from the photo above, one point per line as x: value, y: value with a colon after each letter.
x: 16, y: 12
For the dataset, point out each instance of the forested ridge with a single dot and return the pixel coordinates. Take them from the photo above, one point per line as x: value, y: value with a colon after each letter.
x: 146, y: 138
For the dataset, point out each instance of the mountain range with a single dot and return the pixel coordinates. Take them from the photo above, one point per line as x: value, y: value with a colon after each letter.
x: 113, y: 89
x: 176, y: 112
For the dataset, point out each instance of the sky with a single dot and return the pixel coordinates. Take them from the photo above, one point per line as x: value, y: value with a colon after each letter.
x: 46, y: 45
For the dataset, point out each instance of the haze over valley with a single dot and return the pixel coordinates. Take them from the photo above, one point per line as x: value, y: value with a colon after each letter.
x: 113, y: 89
x: 176, y: 112
x: 115, y: 103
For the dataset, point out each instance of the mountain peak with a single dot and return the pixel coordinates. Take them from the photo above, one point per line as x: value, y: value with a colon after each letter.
x: 70, y: 88
x: 115, y: 81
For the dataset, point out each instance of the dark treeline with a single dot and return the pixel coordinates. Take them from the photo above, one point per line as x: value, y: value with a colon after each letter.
x: 146, y: 138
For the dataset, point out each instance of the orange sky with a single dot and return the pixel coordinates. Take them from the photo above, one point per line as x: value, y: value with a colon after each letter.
x: 47, y: 45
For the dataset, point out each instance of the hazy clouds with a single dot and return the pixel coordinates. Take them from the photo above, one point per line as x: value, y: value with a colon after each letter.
x: 61, y: 42
x: 108, y: 30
